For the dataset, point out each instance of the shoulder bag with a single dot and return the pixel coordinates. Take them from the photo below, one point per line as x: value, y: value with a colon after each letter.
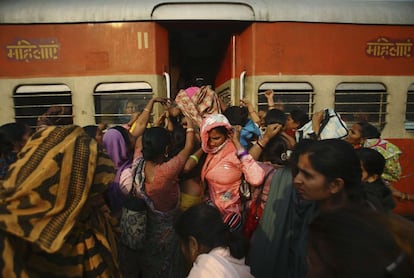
x: 134, y: 216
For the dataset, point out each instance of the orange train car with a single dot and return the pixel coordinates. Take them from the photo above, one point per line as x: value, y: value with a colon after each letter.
x: 97, y: 56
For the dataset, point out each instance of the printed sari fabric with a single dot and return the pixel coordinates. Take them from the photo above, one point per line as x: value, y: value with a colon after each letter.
x: 53, y: 219
x: 391, y: 153
x: 204, y: 101
x: 160, y: 256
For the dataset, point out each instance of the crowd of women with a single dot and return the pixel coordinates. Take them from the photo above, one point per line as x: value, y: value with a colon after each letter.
x: 228, y: 191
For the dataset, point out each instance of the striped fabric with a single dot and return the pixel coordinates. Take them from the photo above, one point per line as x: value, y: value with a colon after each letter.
x: 53, y: 219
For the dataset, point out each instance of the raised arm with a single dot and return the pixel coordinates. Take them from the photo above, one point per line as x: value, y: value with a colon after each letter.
x: 317, y: 118
x: 189, y: 139
x: 143, y: 119
x: 269, y: 96
x: 252, y: 113
x: 193, y: 160
x: 271, y: 131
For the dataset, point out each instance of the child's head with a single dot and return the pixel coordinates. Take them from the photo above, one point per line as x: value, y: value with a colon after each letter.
x: 372, y: 163
x: 296, y: 119
x: 237, y: 115
x: 275, y: 116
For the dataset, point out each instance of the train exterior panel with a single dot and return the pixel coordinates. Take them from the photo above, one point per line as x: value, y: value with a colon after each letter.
x: 326, y: 55
x: 327, y: 49
x: 83, y: 49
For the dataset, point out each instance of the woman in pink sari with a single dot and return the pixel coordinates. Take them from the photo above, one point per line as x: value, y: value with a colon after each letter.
x: 226, y: 163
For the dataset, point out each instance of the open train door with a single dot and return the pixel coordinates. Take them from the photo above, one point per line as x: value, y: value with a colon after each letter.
x: 200, y: 52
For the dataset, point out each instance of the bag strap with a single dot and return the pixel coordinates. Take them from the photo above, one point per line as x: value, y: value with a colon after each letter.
x: 324, y: 121
x: 259, y: 197
x: 341, y: 122
x: 137, y: 170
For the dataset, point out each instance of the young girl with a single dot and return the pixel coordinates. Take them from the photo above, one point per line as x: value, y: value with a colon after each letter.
x: 377, y: 193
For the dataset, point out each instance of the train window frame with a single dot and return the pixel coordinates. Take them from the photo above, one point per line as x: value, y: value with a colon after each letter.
x: 409, y: 109
x: 225, y: 96
x: 105, y: 93
x: 365, y: 93
x: 288, y: 90
x: 32, y: 100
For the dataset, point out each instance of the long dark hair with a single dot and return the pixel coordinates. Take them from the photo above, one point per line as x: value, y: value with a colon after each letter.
x: 154, y: 142
x: 276, y: 150
x: 368, y: 130
x: 205, y: 224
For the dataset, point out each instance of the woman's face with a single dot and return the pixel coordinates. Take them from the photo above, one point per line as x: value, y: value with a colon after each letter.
x: 130, y: 108
x: 310, y: 184
x: 354, y: 137
x: 216, y: 138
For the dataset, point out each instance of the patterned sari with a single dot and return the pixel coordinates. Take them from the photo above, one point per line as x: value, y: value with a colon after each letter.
x: 53, y: 219
x: 204, y: 101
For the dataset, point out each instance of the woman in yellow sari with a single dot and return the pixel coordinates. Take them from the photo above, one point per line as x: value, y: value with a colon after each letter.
x: 53, y: 217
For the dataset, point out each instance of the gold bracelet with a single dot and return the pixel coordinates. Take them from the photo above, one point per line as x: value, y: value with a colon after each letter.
x: 147, y: 110
x: 190, y: 129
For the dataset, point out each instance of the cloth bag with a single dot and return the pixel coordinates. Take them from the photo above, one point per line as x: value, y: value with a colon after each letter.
x: 332, y: 126
x: 134, y: 217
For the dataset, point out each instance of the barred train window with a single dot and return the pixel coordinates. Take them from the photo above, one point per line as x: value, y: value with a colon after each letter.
x: 115, y: 102
x: 292, y: 95
x: 362, y: 102
x: 409, y: 112
x: 31, y: 101
x: 225, y: 96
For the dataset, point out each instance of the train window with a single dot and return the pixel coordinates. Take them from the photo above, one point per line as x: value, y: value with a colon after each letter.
x: 115, y: 102
x: 362, y: 102
x: 409, y: 112
x: 292, y: 95
x: 31, y: 101
x: 225, y: 96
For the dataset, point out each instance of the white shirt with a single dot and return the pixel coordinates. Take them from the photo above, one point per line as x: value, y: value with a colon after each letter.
x: 219, y: 263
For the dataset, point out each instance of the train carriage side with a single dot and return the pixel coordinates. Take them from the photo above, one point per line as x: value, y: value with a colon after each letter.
x: 363, y: 71
x: 98, y: 67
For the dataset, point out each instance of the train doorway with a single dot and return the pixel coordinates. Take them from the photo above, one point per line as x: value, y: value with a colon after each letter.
x: 197, y: 49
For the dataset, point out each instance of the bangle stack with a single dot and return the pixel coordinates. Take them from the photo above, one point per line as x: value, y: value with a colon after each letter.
x: 240, y: 155
x: 195, y: 158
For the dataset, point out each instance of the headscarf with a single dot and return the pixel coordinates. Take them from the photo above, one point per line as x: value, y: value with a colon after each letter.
x: 52, y: 214
x: 203, y: 102
x: 210, y: 122
x: 117, y: 145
